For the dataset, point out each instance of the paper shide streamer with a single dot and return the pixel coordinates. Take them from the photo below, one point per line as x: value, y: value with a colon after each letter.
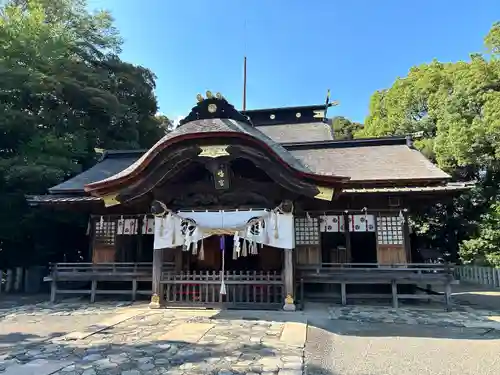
x: 246, y: 238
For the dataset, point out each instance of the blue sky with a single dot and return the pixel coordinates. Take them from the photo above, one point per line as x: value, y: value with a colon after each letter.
x: 296, y: 49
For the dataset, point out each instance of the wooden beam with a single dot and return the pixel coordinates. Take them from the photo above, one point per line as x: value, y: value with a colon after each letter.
x: 406, y: 237
x: 347, y: 235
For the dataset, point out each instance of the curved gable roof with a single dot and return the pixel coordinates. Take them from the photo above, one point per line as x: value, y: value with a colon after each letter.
x: 217, y: 119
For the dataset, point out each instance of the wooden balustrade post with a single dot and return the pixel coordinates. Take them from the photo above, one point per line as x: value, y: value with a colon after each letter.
x: 9, y: 281
x: 288, y: 280
x: 18, y: 280
x: 156, y: 296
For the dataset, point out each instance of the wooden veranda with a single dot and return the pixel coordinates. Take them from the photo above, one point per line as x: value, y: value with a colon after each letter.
x: 254, y: 289
x: 424, y: 277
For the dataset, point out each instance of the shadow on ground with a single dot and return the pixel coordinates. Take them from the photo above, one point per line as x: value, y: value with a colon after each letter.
x: 321, y: 320
x: 153, y: 357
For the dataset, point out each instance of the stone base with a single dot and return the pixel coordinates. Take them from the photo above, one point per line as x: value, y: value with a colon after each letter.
x: 155, y: 302
x: 153, y: 305
x: 289, y: 307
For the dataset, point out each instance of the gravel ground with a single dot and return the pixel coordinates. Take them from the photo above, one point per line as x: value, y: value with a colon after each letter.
x: 354, y: 348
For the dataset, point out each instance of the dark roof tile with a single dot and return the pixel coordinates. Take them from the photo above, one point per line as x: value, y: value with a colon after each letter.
x: 289, y: 133
x: 108, y: 166
x: 215, y: 126
x: 371, y: 163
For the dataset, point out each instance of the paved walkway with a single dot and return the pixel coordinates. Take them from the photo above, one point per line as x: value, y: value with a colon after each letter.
x: 418, y: 315
x: 32, y: 323
x: 128, y: 339
x: 477, y: 296
x: 340, y: 347
x: 137, y: 341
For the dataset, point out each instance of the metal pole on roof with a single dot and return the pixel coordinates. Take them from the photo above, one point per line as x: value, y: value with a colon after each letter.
x: 245, y: 62
x: 245, y: 83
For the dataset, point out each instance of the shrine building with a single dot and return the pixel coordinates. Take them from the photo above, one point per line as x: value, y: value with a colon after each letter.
x: 253, y: 209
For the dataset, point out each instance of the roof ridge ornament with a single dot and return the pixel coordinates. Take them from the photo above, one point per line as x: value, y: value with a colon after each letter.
x: 212, y: 107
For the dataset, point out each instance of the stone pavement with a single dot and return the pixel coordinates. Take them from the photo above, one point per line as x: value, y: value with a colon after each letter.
x: 418, y: 315
x: 168, y: 342
x: 341, y: 347
x: 477, y: 296
x: 78, y: 338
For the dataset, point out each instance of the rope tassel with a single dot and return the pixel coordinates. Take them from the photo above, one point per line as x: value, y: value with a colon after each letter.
x: 244, y: 250
x: 276, y: 235
x: 223, y: 249
x: 201, y: 255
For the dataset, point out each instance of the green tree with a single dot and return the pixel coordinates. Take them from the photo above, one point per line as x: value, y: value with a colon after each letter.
x: 344, y: 128
x: 456, y: 106
x: 64, y: 93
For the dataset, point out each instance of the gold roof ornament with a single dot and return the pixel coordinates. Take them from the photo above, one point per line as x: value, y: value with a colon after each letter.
x: 213, y: 151
x: 209, y: 94
x: 110, y: 200
x: 219, y: 96
x: 319, y: 113
x: 199, y: 98
x: 325, y: 193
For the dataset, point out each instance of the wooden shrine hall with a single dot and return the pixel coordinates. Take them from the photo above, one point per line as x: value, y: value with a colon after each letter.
x: 253, y: 209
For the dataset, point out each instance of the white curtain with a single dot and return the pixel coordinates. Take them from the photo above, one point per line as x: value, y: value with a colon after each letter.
x: 273, y: 229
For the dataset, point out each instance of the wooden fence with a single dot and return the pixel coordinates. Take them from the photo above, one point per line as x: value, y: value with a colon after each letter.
x: 256, y: 290
x: 487, y: 276
x: 22, y: 280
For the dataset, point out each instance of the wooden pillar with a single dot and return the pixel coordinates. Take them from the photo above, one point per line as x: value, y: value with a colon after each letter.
x: 93, y: 289
x: 406, y: 237
x: 18, y: 281
x: 347, y: 235
x: 9, y: 282
x: 288, y: 278
x: 157, y: 294
x: 91, y: 235
x: 177, y: 259
x: 53, y: 289
x: 138, y: 247
x: 394, y: 288
x: 343, y: 293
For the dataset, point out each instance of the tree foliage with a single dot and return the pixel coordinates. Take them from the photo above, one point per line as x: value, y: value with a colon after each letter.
x: 456, y: 107
x: 64, y: 93
x: 344, y: 128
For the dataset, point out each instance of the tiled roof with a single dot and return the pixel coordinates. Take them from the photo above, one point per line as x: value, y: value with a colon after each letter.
x: 360, y: 162
x: 305, y: 132
x: 371, y: 163
x: 111, y: 163
x: 451, y: 187
x: 60, y: 198
x: 215, y: 126
x: 419, y: 189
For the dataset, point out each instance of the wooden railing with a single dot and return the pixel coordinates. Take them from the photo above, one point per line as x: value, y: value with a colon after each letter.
x: 84, y: 273
x: 487, y: 276
x: 112, y: 269
x: 377, y: 267
x: 425, y: 274
x: 243, y: 289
